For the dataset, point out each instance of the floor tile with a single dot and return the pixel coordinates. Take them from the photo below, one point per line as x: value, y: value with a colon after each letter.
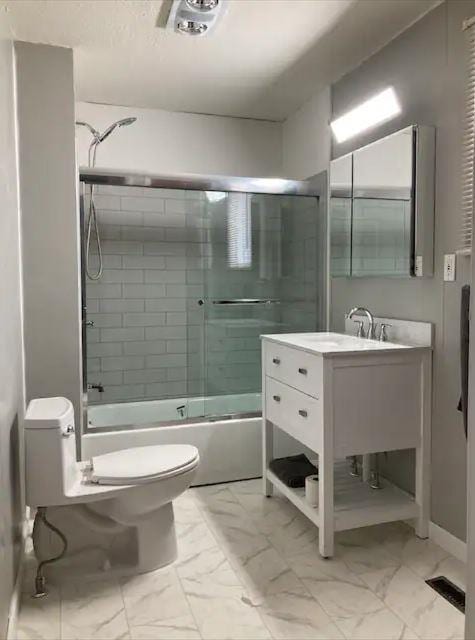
x: 157, y: 608
x: 248, y: 567
x: 221, y: 607
x: 93, y: 609
x: 421, y: 608
x: 379, y: 625
x: 296, y: 616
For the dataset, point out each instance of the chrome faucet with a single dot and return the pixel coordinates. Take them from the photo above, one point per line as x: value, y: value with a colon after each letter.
x: 372, y: 329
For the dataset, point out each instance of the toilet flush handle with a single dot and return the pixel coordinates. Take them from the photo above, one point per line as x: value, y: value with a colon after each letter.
x: 68, y: 432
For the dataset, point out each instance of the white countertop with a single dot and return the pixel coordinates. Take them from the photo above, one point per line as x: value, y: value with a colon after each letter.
x: 328, y: 344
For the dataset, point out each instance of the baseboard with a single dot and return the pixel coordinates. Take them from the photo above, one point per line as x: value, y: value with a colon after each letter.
x: 15, y: 605
x: 449, y: 542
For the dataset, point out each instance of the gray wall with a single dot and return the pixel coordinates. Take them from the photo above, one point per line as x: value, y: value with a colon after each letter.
x: 50, y: 226
x: 425, y: 65
x: 11, y: 353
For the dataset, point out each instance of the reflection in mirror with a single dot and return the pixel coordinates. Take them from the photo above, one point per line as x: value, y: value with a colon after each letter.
x: 380, y: 218
x: 341, y: 171
x: 382, y: 205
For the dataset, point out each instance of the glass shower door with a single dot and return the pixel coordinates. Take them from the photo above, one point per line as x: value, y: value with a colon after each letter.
x: 263, y: 274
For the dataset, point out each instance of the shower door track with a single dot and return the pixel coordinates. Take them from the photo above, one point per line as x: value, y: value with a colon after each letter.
x: 196, y: 182
x: 181, y: 423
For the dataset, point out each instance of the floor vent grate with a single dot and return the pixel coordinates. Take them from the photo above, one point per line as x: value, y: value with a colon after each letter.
x: 449, y: 591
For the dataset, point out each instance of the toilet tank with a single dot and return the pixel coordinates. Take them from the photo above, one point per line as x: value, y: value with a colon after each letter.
x: 50, y: 451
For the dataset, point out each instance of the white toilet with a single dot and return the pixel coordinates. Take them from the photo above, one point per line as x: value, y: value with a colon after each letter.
x: 118, y: 504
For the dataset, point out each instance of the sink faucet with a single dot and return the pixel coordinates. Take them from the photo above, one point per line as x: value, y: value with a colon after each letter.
x: 358, y: 310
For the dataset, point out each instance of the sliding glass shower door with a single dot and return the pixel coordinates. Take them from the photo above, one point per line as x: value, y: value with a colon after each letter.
x: 191, y: 278
x: 262, y: 274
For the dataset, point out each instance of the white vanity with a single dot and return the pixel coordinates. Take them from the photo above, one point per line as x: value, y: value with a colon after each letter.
x: 340, y: 395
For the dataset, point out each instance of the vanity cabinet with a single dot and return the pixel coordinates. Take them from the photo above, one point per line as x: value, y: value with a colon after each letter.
x: 340, y: 396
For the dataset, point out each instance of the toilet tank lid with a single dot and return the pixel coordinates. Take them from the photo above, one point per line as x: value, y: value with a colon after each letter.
x: 49, y: 413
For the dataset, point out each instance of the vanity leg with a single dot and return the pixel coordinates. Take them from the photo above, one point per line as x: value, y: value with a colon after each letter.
x: 423, y: 451
x: 267, y: 455
x: 325, y: 505
x: 422, y: 493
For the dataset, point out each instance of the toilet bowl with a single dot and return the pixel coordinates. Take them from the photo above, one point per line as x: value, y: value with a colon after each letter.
x: 119, y: 503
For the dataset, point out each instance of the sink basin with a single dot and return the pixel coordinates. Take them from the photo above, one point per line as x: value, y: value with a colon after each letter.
x: 329, y: 343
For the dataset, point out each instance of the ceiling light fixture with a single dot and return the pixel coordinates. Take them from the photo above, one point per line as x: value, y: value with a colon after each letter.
x: 379, y: 108
x: 192, y: 28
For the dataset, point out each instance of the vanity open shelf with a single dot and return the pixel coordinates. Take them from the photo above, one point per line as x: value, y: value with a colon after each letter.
x: 355, y: 503
x: 339, y: 396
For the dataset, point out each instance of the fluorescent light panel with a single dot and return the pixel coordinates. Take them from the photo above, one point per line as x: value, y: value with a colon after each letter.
x: 377, y: 109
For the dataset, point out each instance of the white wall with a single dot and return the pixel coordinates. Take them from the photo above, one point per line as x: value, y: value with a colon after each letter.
x: 306, y: 138
x: 50, y: 225
x: 11, y: 348
x: 167, y: 142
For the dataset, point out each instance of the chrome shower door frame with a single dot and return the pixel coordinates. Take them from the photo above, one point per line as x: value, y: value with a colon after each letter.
x: 316, y: 187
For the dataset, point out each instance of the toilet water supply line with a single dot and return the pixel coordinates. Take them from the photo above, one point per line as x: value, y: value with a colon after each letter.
x: 40, y: 580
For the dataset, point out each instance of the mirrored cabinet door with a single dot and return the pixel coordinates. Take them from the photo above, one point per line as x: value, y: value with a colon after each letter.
x: 381, y: 212
x: 341, y: 215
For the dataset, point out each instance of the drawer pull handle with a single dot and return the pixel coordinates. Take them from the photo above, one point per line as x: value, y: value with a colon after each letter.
x: 276, y: 360
x: 303, y: 413
x: 276, y: 398
x: 303, y: 371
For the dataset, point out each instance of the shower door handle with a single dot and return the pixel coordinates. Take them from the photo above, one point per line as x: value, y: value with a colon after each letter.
x: 247, y: 301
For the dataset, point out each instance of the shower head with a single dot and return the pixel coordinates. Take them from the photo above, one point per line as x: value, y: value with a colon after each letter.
x: 125, y: 122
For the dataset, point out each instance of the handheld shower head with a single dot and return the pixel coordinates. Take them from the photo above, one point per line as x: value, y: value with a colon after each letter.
x: 120, y: 123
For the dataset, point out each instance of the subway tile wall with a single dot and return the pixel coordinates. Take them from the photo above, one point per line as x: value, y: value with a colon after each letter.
x: 164, y: 251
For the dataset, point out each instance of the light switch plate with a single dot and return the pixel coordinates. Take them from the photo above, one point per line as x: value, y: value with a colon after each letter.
x: 419, y: 271
x: 449, y: 267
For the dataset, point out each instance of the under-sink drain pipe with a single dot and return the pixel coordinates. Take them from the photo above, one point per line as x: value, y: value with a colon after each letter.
x: 40, y: 580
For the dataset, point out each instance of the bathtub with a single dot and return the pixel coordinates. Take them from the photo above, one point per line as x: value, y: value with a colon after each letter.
x: 230, y: 448
x: 122, y: 415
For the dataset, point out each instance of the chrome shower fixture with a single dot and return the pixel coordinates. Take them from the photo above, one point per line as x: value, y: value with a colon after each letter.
x: 92, y: 226
x: 195, y: 17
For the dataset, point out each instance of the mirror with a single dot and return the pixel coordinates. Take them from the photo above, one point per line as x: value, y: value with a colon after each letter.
x: 381, y: 207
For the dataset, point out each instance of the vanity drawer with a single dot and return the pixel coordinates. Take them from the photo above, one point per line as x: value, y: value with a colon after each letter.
x: 299, y: 369
x: 295, y: 413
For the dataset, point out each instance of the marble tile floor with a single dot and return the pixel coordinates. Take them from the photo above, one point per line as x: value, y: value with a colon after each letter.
x: 248, y: 568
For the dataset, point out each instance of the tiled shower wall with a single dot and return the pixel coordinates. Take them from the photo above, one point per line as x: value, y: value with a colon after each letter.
x: 144, y: 307
x: 164, y: 251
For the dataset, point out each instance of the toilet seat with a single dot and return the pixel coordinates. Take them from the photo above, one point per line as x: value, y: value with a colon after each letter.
x: 140, y: 465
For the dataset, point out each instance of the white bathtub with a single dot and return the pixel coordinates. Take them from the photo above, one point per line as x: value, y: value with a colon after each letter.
x: 151, y: 412
x: 229, y: 449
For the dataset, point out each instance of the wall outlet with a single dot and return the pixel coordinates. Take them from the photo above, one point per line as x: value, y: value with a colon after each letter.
x: 449, y: 267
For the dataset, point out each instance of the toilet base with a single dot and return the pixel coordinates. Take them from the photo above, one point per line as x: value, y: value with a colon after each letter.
x: 95, y: 552
x: 156, y: 540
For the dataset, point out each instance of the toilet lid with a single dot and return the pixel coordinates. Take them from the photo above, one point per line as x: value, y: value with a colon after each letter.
x: 142, y: 464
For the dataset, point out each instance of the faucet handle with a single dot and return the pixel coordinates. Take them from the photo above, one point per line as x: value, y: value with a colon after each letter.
x: 360, y: 332
x: 383, y: 336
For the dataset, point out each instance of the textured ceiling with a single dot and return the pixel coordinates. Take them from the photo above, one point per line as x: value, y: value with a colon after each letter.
x: 264, y: 59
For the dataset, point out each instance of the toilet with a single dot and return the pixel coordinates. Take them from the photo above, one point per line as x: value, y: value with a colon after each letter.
x: 115, y: 509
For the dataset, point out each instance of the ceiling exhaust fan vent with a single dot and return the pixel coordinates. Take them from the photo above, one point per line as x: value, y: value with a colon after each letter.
x: 195, y: 17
